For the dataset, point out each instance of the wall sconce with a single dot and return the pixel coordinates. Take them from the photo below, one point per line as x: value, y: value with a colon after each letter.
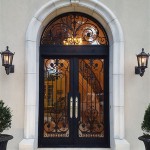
x: 142, y: 60
x: 7, y: 58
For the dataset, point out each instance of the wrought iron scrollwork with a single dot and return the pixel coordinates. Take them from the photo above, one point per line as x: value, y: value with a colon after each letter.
x: 87, y: 70
x: 55, y: 106
x: 74, y: 29
x: 91, y: 122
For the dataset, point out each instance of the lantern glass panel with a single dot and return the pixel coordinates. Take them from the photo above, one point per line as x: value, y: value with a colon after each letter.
x: 7, y: 59
x: 142, y: 61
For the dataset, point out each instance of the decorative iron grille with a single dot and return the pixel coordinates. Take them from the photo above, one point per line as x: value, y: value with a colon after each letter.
x: 74, y: 29
x: 56, y: 94
x: 91, y: 87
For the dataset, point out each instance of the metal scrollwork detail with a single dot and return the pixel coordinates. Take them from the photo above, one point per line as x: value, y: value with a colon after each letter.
x: 74, y: 29
x: 91, y: 122
x: 55, y: 101
x: 54, y: 69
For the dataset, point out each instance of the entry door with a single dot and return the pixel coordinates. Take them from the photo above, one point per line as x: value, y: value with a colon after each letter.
x: 74, y: 101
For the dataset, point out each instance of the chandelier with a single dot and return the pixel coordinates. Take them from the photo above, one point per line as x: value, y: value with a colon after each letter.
x: 72, y: 41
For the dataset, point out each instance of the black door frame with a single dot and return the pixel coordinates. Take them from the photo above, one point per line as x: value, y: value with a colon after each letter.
x: 83, y: 51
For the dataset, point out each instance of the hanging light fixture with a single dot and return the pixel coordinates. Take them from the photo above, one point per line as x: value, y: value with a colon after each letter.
x: 72, y: 41
x: 142, y: 60
x: 7, y: 58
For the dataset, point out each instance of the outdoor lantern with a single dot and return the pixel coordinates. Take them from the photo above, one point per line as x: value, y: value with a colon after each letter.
x: 7, y: 58
x: 142, y: 60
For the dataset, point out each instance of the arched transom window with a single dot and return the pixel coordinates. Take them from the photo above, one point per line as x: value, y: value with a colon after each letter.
x: 74, y: 29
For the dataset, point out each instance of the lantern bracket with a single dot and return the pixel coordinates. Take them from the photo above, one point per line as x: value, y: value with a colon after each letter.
x: 139, y: 70
x: 9, y: 69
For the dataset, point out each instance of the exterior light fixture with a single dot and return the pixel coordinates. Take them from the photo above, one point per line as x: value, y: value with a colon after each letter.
x: 7, y: 58
x: 72, y: 41
x: 142, y: 60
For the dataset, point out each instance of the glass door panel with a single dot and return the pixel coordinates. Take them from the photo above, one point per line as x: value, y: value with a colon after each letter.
x: 56, y: 89
x: 73, y: 102
x: 91, y: 89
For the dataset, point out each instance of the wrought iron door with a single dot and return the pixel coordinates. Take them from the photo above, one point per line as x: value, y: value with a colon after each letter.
x: 74, y: 83
x: 74, y: 100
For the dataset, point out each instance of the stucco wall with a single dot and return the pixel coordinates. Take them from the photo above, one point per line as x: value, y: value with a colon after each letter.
x: 135, y: 21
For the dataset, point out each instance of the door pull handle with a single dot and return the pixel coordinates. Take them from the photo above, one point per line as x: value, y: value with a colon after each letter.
x: 71, y: 107
x: 76, y: 107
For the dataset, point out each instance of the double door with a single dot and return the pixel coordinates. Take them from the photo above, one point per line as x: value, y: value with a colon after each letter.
x: 73, y: 109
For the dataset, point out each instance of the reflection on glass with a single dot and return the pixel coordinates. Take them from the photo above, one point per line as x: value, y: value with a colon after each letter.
x: 56, y: 84
x: 91, y: 88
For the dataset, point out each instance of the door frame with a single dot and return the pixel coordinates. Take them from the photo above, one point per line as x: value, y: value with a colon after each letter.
x: 98, y: 51
x: 116, y: 38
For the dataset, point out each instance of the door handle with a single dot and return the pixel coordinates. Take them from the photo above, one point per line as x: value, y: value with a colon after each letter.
x: 76, y: 107
x: 71, y: 107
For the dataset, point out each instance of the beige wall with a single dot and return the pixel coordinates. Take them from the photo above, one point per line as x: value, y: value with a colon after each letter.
x: 134, y: 17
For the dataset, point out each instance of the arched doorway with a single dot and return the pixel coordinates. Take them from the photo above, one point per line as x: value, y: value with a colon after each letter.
x: 116, y: 46
x: 74, y: 83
